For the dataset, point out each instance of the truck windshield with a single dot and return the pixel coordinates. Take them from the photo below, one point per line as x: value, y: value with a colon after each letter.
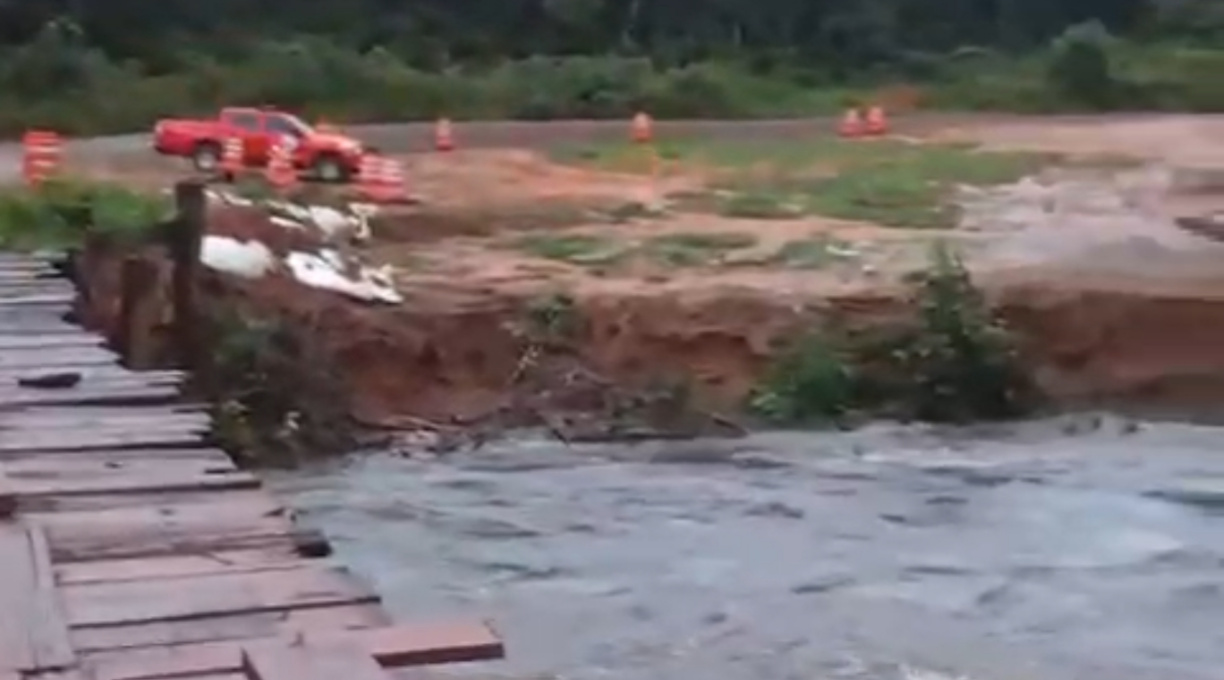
x: 285, y: 124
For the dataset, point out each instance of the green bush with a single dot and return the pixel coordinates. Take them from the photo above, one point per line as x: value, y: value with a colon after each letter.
x: 58, y: 214
x: 952, y: 362
x: 958, y: 362
x: 1079, y: 68
x: 809, y: 384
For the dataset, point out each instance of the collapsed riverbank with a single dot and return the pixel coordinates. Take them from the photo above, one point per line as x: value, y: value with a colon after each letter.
x: 595, y: 299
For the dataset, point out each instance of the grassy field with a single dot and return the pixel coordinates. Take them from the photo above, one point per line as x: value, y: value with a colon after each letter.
x: 887, y: 182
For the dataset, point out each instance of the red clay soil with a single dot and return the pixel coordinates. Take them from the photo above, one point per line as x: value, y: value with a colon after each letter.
x: 453, y: 356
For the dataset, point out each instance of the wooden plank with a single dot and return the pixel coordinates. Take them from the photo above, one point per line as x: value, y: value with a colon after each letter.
x: 131, y: 394
x: 33, y: 634
x: 22, y: 489
x: 29, y: 419
x: 128, y: 603
x: 235, y: 520
x: 30, y: 341
x: 227, y: 628
x: 176, y: 566
x: 50, y: 468
x: 88, y: 373
x: 36, y: 299
x: 105, y: 428
x: 390, y: 647
x: 85, y: 440
x: 423, y: 643
x: 282, y: 661
x: 58, y: 413
x: 199, y: 455
x: 36, y: 288
x: 46, y: 358
x: 16, y: 651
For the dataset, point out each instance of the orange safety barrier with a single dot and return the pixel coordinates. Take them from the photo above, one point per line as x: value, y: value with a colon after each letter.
x: 42, y: 151
x: 851, y: 124
x: 381, y: 180
x: 232, y: 161
x: 876, y: 122
x: 642, y: 128
x: 280, y: 172
x: 444, y: 138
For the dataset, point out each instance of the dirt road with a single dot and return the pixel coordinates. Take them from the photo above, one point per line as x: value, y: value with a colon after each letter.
x: 126, y: 150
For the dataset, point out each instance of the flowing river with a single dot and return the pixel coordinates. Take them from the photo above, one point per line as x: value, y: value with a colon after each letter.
x: 1085, y: 548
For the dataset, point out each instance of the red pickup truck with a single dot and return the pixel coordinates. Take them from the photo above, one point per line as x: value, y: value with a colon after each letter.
x: 328, y: 156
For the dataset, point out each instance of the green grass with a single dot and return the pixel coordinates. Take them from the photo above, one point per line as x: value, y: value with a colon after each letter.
x: 811, y: 253
x: 887, y: 182
x: 694, y: 249
x: 587, y: 249
x: 59, y: 215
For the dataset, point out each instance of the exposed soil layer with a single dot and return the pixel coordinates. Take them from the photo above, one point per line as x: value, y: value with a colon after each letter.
x: 1143, y: 331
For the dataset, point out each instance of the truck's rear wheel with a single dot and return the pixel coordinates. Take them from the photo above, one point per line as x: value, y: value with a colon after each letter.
x: 331, y: 169
x: 206, y: 157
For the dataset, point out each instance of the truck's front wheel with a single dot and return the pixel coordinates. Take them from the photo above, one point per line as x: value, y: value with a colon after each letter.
x: 206, y: 157
x: 331, y: 169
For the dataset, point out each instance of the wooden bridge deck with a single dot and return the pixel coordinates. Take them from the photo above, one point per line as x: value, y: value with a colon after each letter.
x: 131, y: 550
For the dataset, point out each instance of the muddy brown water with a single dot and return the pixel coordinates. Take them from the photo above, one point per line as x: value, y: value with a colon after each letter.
x: 1078, y: 548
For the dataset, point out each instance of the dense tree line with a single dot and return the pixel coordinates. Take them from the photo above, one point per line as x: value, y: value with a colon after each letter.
x: 431, y: 33
x: 90, y: 66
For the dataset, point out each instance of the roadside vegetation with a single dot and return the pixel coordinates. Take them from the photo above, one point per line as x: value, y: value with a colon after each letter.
x: 59, y: 214
x: 886, y: 182
x: 85, y: 69
x: 952, y: 361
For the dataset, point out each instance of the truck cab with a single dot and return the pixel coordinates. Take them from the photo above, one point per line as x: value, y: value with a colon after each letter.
x: 327, y: 155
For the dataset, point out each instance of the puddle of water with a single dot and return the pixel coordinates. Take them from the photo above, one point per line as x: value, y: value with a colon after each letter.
x: 882, y: 554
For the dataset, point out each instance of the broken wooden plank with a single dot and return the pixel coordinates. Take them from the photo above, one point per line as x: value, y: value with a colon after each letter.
x: 227, y: 628
x: 421, y: 644
x: 176, y: 566
x: 390, y: 647
x: 288, y: 661
x: 128, y: 603
x: 33, y: 632
x: 234, y: 520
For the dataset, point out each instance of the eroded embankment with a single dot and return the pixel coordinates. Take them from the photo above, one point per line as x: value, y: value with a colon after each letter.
x: 606, y: 364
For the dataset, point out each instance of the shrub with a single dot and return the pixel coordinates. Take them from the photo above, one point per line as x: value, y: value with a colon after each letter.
x: 953, y: 361
x: 61, y: 212
x: 1080, y: 68
x: 809, y: 384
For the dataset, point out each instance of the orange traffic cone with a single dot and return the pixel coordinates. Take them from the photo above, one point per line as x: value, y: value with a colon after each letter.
x: 444, y: 139
x: 877, y: 121
x: 642, y: 130
x: 369, y: 177
x: 851, y: 124
x: 279, y: 172
x: 395, y: 185
x: 232, y: 162
x: 381, y: 180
